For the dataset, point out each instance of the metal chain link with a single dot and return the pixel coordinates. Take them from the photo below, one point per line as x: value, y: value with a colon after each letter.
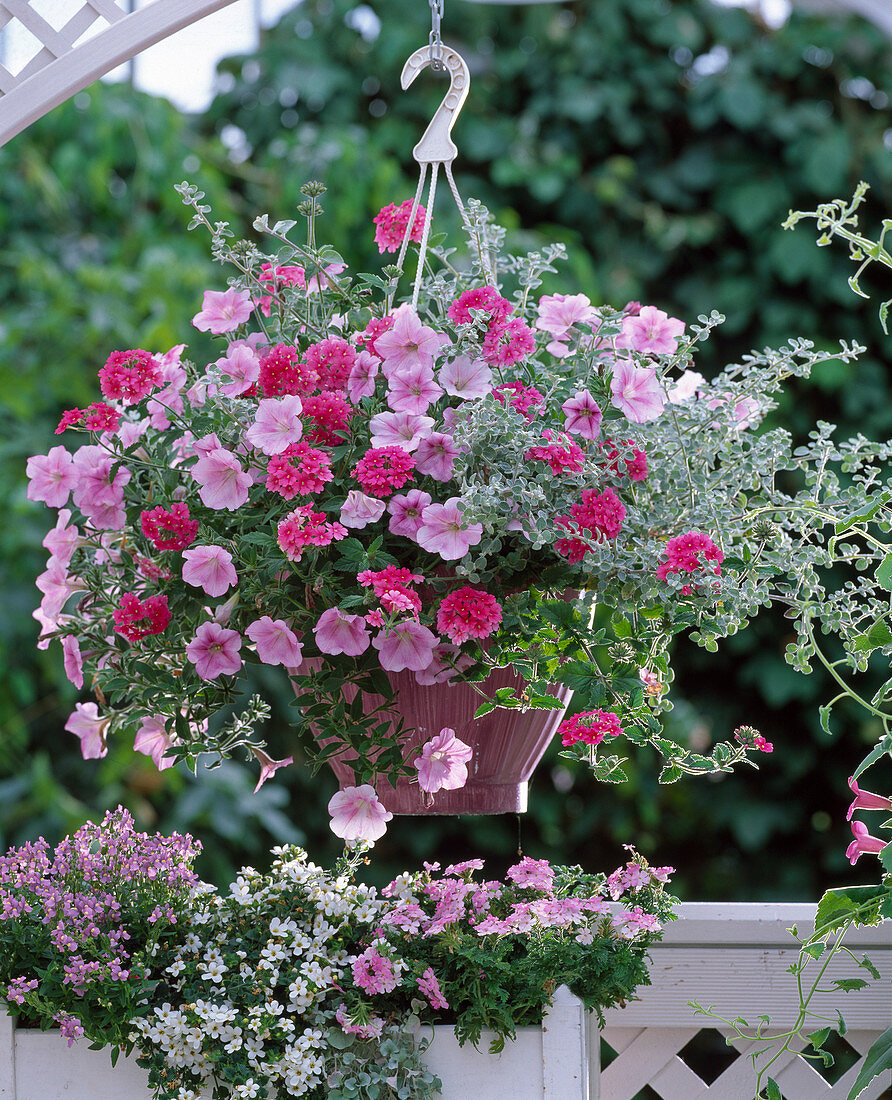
x: 436, y: 43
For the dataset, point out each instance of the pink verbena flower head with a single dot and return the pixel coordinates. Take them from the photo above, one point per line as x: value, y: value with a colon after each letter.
x: 750, y: 737
x: 408, y: 344
x: 590, y: 727
x: 223, y: 310
x: 374, y: 972
x: 357, y: 814
x: 332, y: 361
x: 359, y: 510
x: 97, y: 417
x: 268, y: 766
x: 601, y: 515
x: 215, y: 651
x: 443, y: 531
x: 209, y: 568
x: 689, y: 553
x: 863, y: 844
x: 302, y: 528
x: 222, y: 483
x: 469, y: 379
x: 650, y: 331
x: 865, y: 800
x: 376, y: 327
x: 169, y: 528
x: 582, y: 415
x: 507, y: 343
x: 276, y: 425
x: 52, y: 477
x: 392, y: 221
x: 372, y: 1029
x: 327, y: 417
x: 129, y: 376
x: 562, y: 457
x: 300, y: 470
x: 276, y: 642
x: 381, y: 470
x: 339, y: 632
x: 482, y: 299
x: 399, y: 429
x: 636, y: 392
x: 86, y: 724
x: 635, y: 463
x: 443, y: 764
x: 533, y: 874
x: 152, y: 739
x: 436, y: 455
x: 526, y: 400
x: 406, y: 644
x: 405, y: 512
x: 282, y: 372
x: 136, y: 619
x: 468, y: 613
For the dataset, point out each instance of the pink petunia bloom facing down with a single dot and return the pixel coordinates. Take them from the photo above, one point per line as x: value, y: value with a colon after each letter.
x: 268, y: 766
x: 223, y: 310
x: 242, y: 364
x: 443, y: 532
x: 63, y: 539
x: 651, y: 331
x: 276, y: 424
x: 52, y: 477
x: 359, y: 510
x: 338, y: 632
x: 636, y: 392
x: 469, y: 379
x: 582, y: 415
x: 443, y: 764
x: 152, y: 739
x: 89, y: 728
x: 215, y: 651
x: 222, y: 483
x: 276, y: 642
x: 407, y: 644
x: 357, y: 814
x: 209, y: 568
x: 72, y: 660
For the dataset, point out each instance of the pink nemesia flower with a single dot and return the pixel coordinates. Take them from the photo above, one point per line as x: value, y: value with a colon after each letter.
x: 152, y: 739
x: 436, y: 455
x: 469, y: 379
x: 866, y: 800
x: 242, y: 364
x: 62, y: 540
x: 357, y: 814
x: 443, y: 764
x: 359, y: 510
x: 398, y: 429
x: 689, y: 383
x: 338, y: 632
x: 412, y: 389
x: 583, y: 415
x: 276, y: 642
x: 268, y: 766
x: 363, y: 373
x: 405, y: 512
x: 209, y: 568
x: 651, y: 331
x: 636, y: 391
x: 72, y: 660
x: 215, y: 651
x: 85, y: 724
x: 276, y: 424
x: 443, y: 532
x: 52, y: 477
x: 222, y: 483
x: 406, y: 644
x: 863, y: 844
x: 223, y: 310
x: 409, y: 343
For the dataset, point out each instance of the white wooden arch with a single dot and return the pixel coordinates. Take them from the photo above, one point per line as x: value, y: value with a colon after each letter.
x: 63, y: 65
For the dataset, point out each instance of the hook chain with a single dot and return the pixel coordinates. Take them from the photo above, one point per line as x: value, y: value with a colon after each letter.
x: 436, y: 42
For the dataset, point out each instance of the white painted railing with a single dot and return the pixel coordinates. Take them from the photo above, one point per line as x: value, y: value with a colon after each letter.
x: 733, y: 957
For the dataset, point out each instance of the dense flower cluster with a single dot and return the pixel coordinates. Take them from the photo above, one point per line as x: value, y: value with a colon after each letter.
x: 589, y: 727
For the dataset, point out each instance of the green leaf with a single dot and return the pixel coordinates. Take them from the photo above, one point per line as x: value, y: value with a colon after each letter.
x: 877, y: 1060
x: 879, y: 635
x: 773, y: 1091
x: 882, y: 749
x: 818, y: 1038
x: 884, y: 573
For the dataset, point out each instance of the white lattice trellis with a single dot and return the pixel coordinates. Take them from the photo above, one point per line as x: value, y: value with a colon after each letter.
x: 74, y: 43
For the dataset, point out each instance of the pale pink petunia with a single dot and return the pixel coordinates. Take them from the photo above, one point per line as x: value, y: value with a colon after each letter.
x: 130, y: 432
x: 650, y: 331
x: 277, y: 424
x: 241, y: 364
x: 412, y: 389
x: 268, y: 766
x: 215, y: 651
x: 435, y: 456
x: 338, y: 632
x: 172, y: 378
x: 359, y: 510
x: 405, y: 512
x: 558, y: 313
x: 447, y: 661
x: 582, y: 415
x: 52, y: 476
x: 203, y: 446
x: 152, y: 739
x: 99, y: 492
x: 223, y: 310
x: 405, y: 645
x: 443, y: 764
x: 363, y: 374
x: 323, y: 278
x: 57, y: 586
x: 469, y: 379
x: 222, y: 483
x: 636, y: 392
x: 276, y: 642
x: 209, y: 568
x: 72, y: 660
x: 63, y: 539
x: 86, y: 724
x: 689, y: 384
x: 399, y: 429
x: 408, y: 343
x: 443, y: 531
x: 357, y: 814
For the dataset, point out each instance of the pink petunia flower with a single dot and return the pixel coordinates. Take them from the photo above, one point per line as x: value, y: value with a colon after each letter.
x: 409, y: 343
x: 86, y: 724
x: 338, y: 632
x: 636, y: 392
x: 152, y: 739
x: 52, y: 476
x: 357, y: 814
x: 399, y: 429
x: 268, y: 766
x: 62, y: 540
x: 469, y: 379
x: 223, y: 310
x: 242, y: 364
x: 443, y: 532
x: 436, y: 455
x: 405, y: 645
x: 582, y: 415
x: 359, y: 510
x: 363, y: 374
x: 276, y: 642
x: 412, y: 389
x: 558, y: 313
x: 443, y: 764
x: 99, y: 492
x: 276, y: 424
x: 689, y: 383
x: 405, y: 512
x: 447, y: 662
x: 215, y: 651
x: 222, y: 483
x: 72, y: 660
x: 209, y: 568
x: 651, y: 331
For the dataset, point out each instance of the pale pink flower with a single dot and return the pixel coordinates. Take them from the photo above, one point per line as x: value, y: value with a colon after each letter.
x: 746, y: 410
x: 223, y: 310
x: 209, y: 568
x: 357, y: 814
x: 558, y: 313
x: 85, y: 723
x: 72, y: 660
x: 52, y: 477
x: 276, y: 642
x: 636, y: 391
x: 443, y: 764
x: 130, y: 431
x: 57, y: 585
x: 363, y: 373
x: 152, y: 739
x: 582, y: 415
x: 469, y: 379
x: 268, y: 766
x: 447, y: 661
x: 215, y: 651
x: 98, y: 494
x: 436, y: 455
x: 242, y: 364
x: 276, y: 424
x: 443, y: 532
x: 222, y: 483
x: 650, y: 331
x: 359, y: 510
x: 202, y: 447
x: 405, y: 512
x: 689, y: 383
x: 323, y: 278
x: 62, y: 540
x: 338, y: 632
x: 408, y: 343
x: 399, y: 429
x: 404, y: 645
x: 172, y: 377
x: 412, y: 389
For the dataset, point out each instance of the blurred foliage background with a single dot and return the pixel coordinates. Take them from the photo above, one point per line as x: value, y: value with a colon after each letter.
x: 664, y: 143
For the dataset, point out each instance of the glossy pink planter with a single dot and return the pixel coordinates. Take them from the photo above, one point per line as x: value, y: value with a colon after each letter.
x: 507, y: 744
